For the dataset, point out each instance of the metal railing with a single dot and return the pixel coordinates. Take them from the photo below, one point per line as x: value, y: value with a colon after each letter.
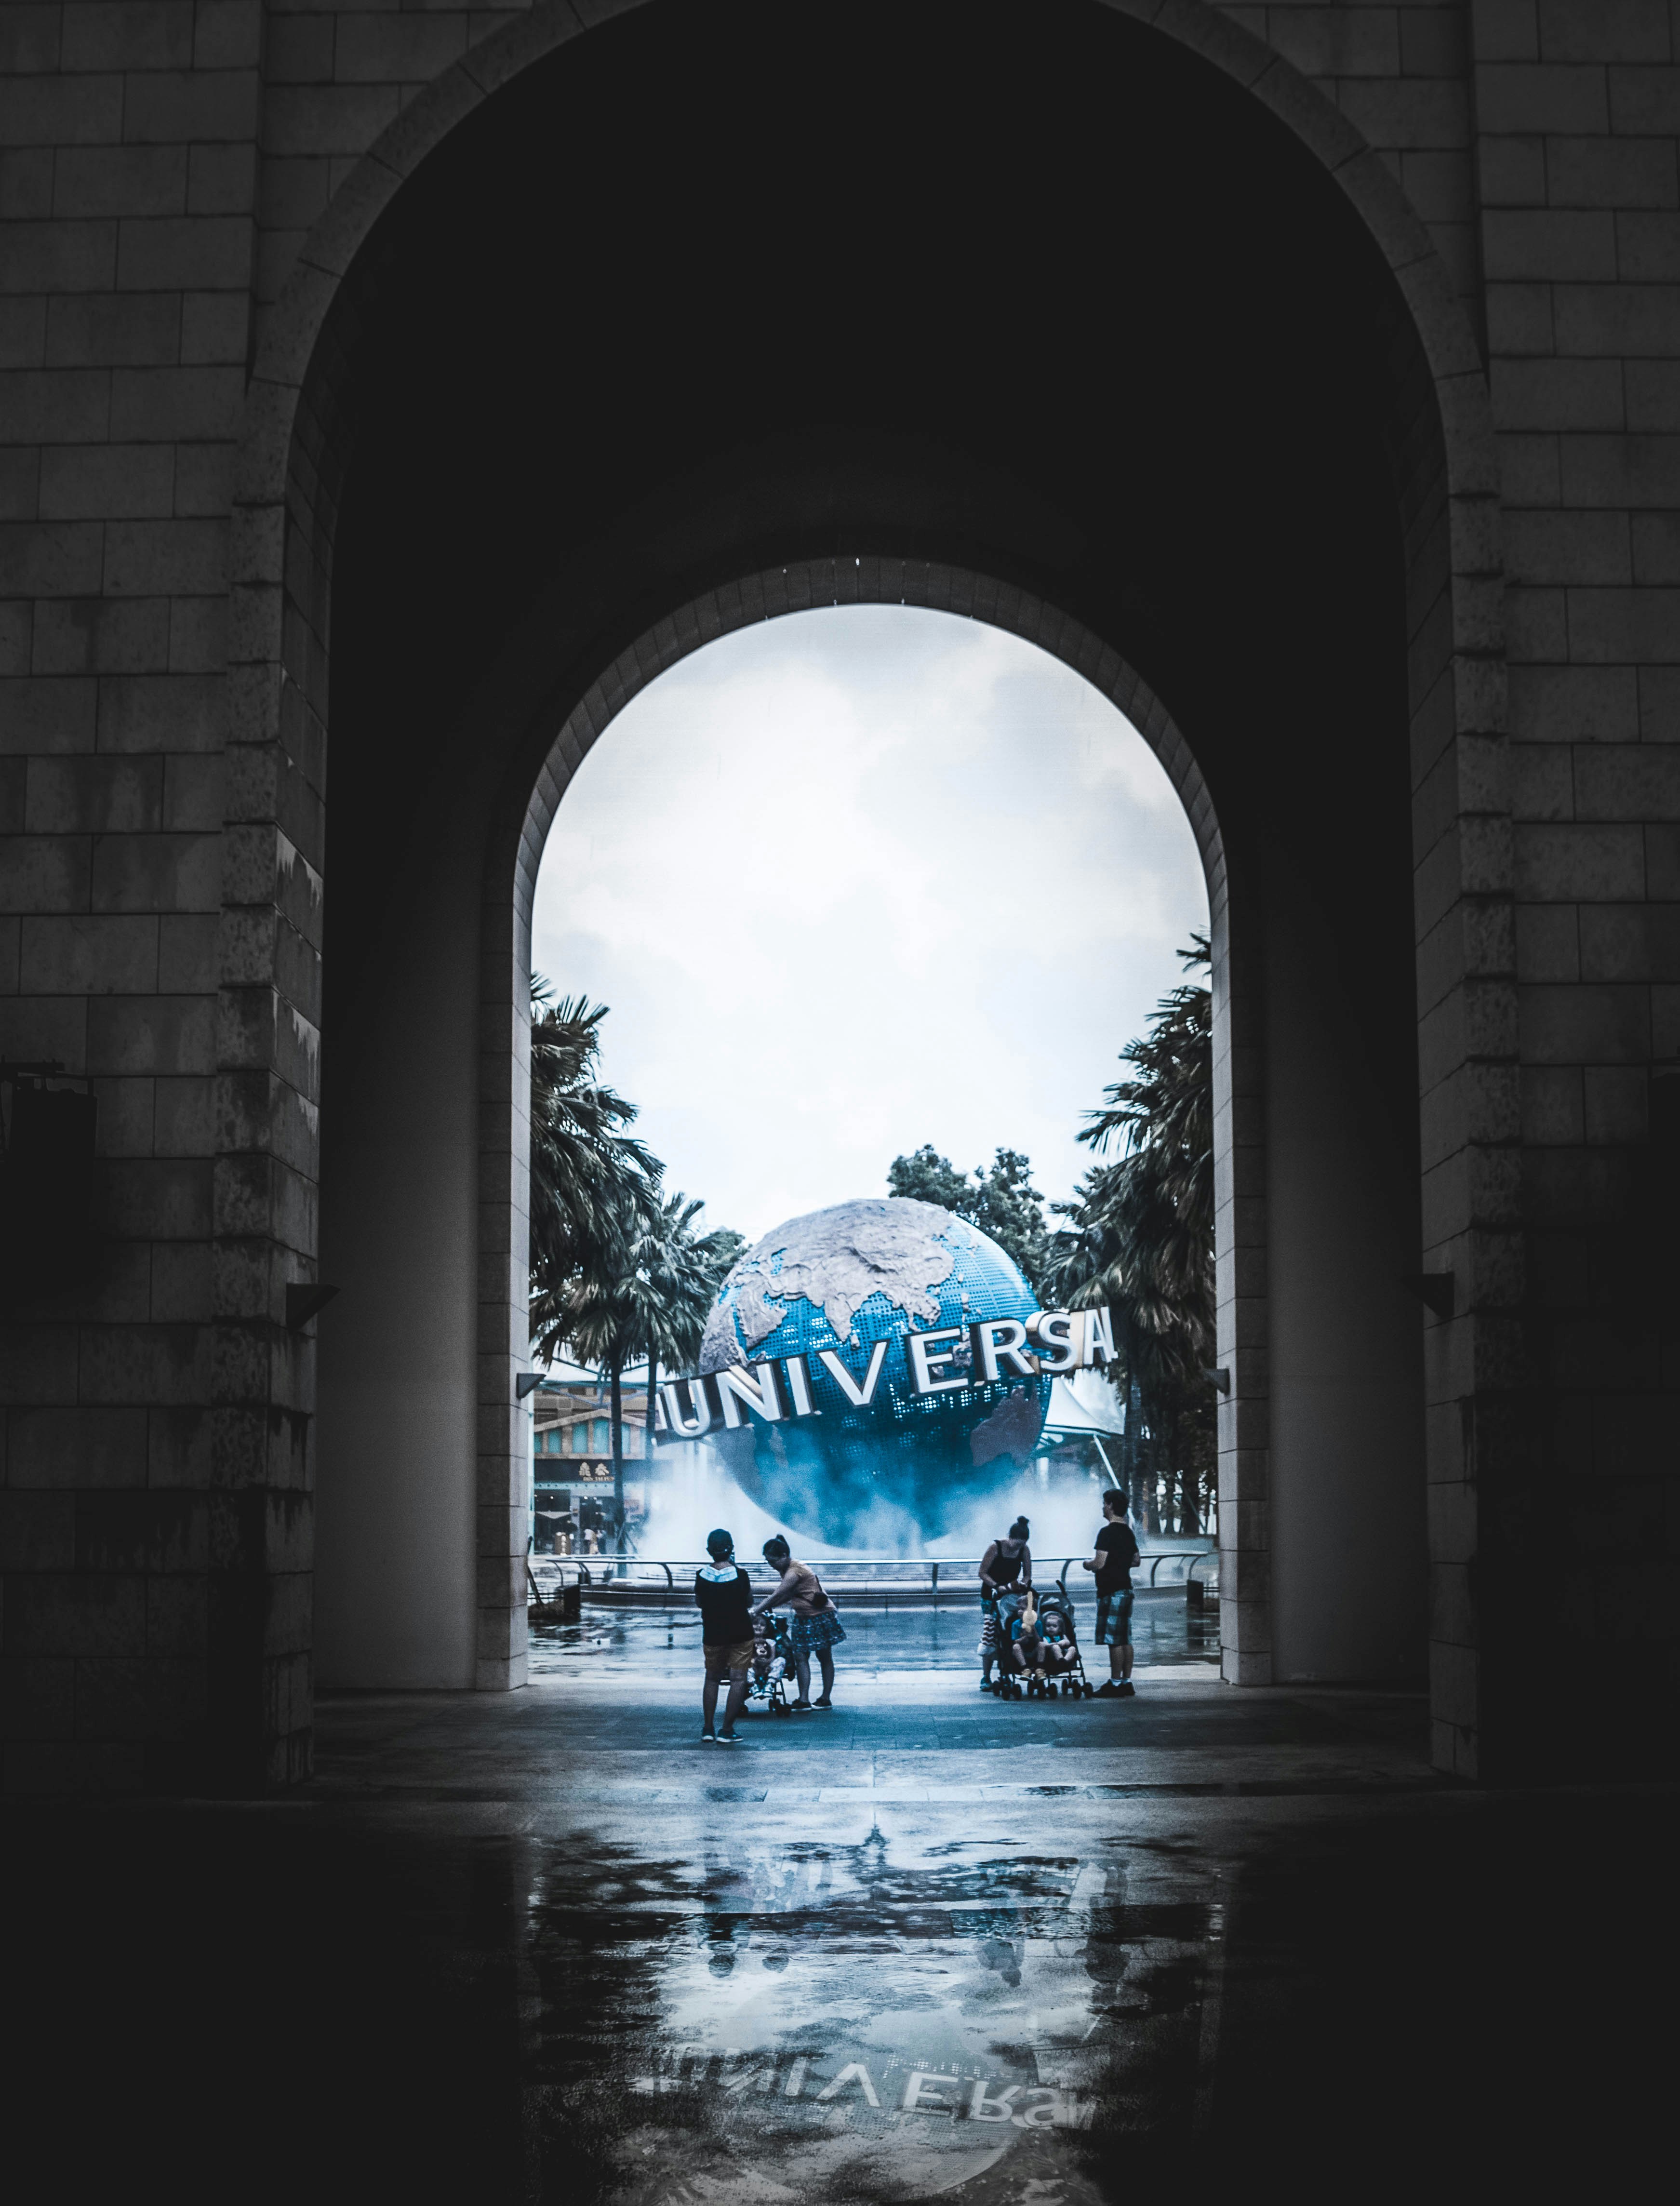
x: 838, y: 1572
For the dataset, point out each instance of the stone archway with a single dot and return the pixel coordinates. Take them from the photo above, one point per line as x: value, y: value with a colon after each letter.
x: 291, y: 473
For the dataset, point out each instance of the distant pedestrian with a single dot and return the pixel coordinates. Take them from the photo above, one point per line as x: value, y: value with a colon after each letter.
x: 724, y: 1593
x: 1006, y: 1565
x: 1113, y: 1558
x: 816, y: 1628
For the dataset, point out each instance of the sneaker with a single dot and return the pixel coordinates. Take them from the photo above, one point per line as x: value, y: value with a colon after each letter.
x: 1109, y: 1690
x: 1127, y: 1690
x: 726, y: 1738
x: 708, y: 1738
x: 823, y: 1703
x: 799, y: 1709
x: 986, y: 1685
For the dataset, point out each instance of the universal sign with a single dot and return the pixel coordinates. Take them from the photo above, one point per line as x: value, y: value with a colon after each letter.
x: 777, y: 1389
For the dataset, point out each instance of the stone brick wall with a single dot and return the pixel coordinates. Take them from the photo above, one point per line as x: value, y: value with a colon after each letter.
x: 139, y: 1592
x: 1577, y: 110
x: 163, y: 670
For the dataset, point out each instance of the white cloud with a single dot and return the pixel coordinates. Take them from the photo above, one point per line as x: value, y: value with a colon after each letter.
x: 859, y: 879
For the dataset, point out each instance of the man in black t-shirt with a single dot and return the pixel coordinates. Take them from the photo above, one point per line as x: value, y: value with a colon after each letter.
x: 724, y: 1593
x: 1113, y: 1559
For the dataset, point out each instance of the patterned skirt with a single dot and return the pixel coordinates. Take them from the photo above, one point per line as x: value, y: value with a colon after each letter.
x: 811, y: 1634
x: 991, y: 1636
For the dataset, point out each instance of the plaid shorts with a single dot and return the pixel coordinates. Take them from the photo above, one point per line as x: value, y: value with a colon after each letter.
x: 1114, y: 1618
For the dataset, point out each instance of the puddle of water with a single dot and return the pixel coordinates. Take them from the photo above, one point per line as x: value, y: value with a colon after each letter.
x: 875, y: 2020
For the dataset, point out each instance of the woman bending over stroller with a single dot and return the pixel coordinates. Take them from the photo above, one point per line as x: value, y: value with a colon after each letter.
x: 1006, y: 1568
x: 816, y: 1628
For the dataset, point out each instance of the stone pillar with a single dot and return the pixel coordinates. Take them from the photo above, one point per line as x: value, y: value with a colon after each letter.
x: 1578, y: 112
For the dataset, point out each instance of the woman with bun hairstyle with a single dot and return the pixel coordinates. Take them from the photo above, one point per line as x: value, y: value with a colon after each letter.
x: 815, y: 1627
x: 1006, y: 1567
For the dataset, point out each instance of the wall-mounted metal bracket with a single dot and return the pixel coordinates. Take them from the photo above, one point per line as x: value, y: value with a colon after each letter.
x: 303, y: 1302
x: 1219, y: 1374
x: 527, y: 1382
x: 1433, y: 1288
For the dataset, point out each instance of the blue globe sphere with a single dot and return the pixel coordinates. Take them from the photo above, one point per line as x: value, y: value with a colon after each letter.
x: 906, y: 1465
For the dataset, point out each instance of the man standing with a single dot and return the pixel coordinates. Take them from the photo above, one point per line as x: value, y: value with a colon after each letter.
x: 724, y: 1593
x: 1113, y: 1559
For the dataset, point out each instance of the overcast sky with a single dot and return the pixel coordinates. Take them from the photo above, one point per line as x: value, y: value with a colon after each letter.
x: 856, y: 879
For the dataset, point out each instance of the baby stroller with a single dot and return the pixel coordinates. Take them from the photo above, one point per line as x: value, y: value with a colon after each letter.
x: 1054, y: 1619
x: 772, y: 1667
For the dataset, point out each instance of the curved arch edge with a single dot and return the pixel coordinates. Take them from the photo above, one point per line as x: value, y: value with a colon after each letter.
x: 299, y: 314
x: 511, y: 868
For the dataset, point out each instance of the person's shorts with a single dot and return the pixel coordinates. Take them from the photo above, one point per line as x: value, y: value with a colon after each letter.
x: 724, y: 1655
x: 1114, y: 1618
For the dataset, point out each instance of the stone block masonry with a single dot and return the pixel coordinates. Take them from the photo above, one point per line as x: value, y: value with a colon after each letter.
x: 170, y: 176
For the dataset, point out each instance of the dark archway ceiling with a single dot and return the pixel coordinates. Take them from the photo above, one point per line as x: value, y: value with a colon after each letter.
x: 1025, y: 288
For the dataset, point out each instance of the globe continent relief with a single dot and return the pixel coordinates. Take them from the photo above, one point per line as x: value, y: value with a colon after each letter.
x: 908, y: 1466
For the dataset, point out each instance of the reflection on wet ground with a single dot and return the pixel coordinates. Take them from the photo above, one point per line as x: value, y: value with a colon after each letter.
x: 878, y: 1640
x: 885, y: 2013
x: 544, y: 1946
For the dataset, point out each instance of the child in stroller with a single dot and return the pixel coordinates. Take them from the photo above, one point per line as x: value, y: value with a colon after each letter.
x: 1044, y: 1657
x: 773, y: 1665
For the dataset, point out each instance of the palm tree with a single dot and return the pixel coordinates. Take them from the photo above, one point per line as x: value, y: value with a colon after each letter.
x: 616, y: 1268
x: 1140, y: 1237
x: 598, y: 1318
x: 646, y: 1286
x: 1169, y: 1112
x: 586, y: 1171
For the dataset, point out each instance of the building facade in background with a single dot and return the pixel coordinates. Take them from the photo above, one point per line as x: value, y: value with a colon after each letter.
x: 571, y: 1462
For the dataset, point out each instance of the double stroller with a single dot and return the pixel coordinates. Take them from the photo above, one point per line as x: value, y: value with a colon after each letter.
x: 772, y: 1667
x: 1044, y: 1630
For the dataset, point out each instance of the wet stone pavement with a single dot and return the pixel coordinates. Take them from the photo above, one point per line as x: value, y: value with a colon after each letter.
x: 545, y: 1947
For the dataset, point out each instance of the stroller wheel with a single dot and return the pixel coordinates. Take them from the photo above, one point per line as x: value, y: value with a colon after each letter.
x: 1051, y: 1691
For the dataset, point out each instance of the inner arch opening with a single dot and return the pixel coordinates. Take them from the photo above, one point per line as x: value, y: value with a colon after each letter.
x: 862, y: 883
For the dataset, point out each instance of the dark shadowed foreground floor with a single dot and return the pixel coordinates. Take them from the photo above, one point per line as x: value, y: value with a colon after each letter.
x: 547, y: 1947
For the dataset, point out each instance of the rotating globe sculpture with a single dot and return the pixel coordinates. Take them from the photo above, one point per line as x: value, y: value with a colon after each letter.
x: 847, y: 1279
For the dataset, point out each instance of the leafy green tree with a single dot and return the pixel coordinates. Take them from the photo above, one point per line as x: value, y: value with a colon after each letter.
x: 1001, y: 1201
x: 1140, y: 1238
x: 926, y: 1176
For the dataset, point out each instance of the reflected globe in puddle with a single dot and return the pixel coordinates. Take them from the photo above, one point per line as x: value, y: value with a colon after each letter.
x: 919, y: 2018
